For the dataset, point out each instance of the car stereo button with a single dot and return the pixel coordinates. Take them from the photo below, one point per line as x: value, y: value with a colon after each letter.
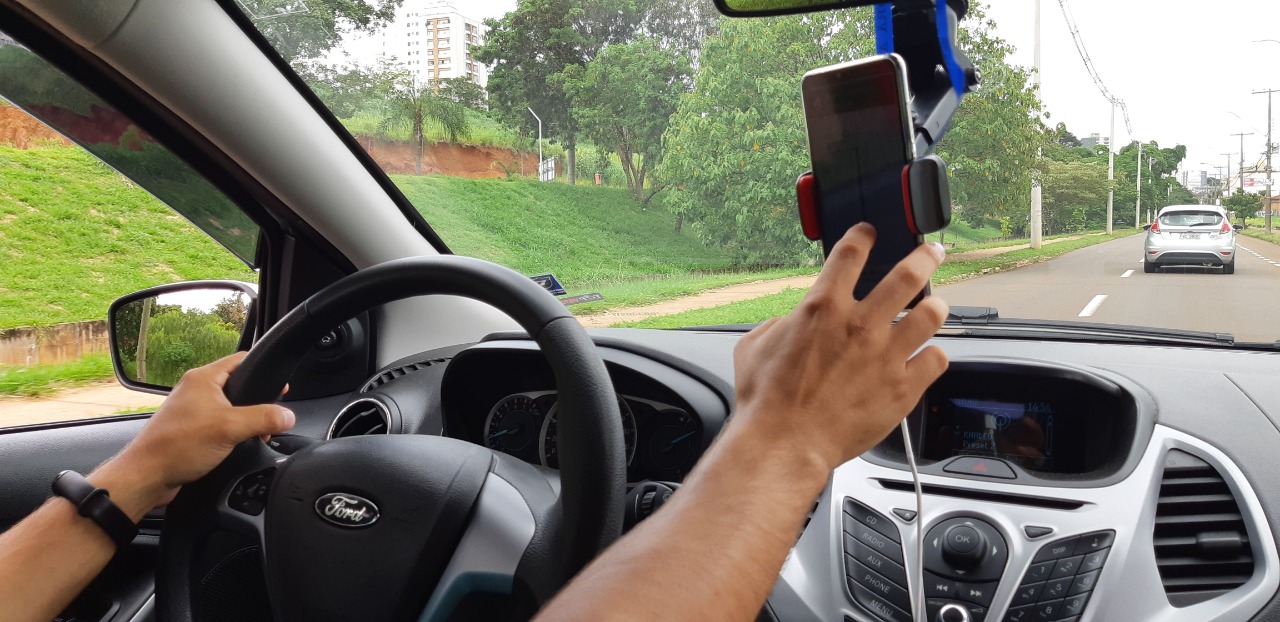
x: 1056, y: 589
x: 1056, y: 550
x: 879, y: 563
x: 880, y: 586
x: 872, y: 519
x: 985, y: 467
x: 876, y: 541
x: 1093, y: 561
x: 877, y: 605
x: 1095, y: 541
x: 1027, y: 594
x: 1046, y: 611
x: 1084, y: 583
x: 1066, y: 567
x: 1074, y: 605
x: 905, y: 514
x: 1020, y: 614
x: 977, y: 613
x: 976, y: 593
x: 1035, y: 531
x: 1039, y: 572
x: 939, y: 587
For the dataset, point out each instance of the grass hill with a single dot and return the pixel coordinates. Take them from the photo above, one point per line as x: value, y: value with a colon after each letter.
x: 75, y: 235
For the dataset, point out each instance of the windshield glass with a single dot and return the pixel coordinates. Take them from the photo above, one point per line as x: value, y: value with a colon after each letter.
x: 1190, y: 218
x: 645, y: 152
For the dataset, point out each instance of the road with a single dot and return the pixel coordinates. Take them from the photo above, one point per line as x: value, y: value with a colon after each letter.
x: 1105, y: 283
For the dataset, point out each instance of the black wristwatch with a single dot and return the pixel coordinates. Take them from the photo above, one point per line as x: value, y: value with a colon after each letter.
x: 95, y: 504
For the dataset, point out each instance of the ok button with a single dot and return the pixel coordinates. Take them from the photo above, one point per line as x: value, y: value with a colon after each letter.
x: 963, y: 539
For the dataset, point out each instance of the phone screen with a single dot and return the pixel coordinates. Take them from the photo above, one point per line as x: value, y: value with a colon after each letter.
x: 858, y: 129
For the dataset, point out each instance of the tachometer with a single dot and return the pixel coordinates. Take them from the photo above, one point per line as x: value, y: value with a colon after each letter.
x: 550, y: 433
x: 513, y: 425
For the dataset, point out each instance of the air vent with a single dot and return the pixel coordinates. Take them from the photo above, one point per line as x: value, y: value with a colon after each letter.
x: 397, y: 372
x: 1201, y: 544
x: 359, y: 418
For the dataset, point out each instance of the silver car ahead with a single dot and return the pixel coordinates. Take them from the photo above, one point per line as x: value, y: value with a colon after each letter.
x: 1191, y: 235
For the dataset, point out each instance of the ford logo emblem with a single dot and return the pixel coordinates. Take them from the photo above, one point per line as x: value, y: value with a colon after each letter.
x: 347, y: 510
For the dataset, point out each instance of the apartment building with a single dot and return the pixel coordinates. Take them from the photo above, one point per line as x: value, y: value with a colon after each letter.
x: 435, y: 42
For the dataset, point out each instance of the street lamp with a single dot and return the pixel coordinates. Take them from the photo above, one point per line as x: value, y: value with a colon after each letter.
x: 535, y: 115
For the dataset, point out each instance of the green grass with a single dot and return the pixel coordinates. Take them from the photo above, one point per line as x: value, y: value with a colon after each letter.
x: 962, y: 233
x: 759, y: 309
x: 46, y: 379
x: 593, y: 239
x: 74, y: 235
x: 1257, y: 228
x: 485, y: 132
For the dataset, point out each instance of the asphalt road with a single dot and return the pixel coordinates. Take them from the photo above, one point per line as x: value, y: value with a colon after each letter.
x: 1105, y: 283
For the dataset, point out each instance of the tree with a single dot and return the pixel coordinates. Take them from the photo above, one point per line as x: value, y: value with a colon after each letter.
x: 232, y: 310
x: 409, y: 106
x: 1245, y: 205
x: 529, y: 47
x: 465, y: 92
x: 996, y: 132
x: 1064, y: 137
x: 624, y: 99
x: 348, y: 88
x: 1075, y: 195
x: 737, y: 142
x: 303, y: 30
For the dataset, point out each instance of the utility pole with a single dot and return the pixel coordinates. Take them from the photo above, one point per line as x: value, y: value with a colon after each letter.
x: 1270, y: 148
x: 1137, y: 204
x: 1111, y: 166
x: 1036, y: 191
x: 1242, y: 135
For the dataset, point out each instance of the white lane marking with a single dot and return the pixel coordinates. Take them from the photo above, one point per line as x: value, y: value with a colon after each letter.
x: 1126, y: 274
x: 1093, y: 305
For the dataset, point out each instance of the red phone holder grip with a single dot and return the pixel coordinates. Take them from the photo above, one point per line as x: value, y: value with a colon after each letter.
x: 926, y: 198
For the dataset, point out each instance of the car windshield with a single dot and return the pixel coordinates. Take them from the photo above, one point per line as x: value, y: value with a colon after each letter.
x: 645, y: 153
x: 1190, y: 218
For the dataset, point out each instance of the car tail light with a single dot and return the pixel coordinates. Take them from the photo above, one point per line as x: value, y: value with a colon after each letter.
x: 1155, y: 227
x: 1226, y: 227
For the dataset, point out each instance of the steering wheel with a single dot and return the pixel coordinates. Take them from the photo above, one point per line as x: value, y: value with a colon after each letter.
x: 403, y: 527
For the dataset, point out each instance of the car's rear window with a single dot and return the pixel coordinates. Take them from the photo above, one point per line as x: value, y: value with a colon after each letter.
x: 1190, y: 218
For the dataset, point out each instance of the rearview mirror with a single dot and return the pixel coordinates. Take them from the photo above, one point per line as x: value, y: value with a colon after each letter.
x: 759, y: 8
x: 158, y: 334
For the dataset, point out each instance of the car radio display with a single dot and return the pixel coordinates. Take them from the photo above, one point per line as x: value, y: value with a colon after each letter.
x: 1025, y: 433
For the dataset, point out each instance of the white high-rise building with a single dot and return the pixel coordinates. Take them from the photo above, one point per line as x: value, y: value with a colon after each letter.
x: 435, y: 42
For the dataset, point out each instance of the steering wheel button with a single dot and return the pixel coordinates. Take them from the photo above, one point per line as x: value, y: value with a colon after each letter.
x: 1084, y: 583
x: 880, y: 586
x: 1055, y: 589
x: 1027, y: 594
x: 872, y: 519
x: 882, y: 608
x: 1093, y: 561
x: 1056, y: 550
x: 1039, y: 572
x: 1074, y: 605
x: 1095, y: 541
x: 1066, y: 567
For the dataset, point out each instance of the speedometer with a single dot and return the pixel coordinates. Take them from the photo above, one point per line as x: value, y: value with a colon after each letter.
x: 513, y: 425
x: 550, y: 433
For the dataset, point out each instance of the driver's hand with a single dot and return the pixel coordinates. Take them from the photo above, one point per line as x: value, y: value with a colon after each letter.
x: 196, y: 428
x: 836, y: 375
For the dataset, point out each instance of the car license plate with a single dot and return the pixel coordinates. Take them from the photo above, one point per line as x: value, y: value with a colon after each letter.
x: 1187, y: 235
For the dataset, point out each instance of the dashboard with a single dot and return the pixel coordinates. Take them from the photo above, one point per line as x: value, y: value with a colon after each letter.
x: 1061, y: 481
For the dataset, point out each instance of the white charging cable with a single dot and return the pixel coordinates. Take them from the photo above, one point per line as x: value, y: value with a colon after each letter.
x: 918, y: 611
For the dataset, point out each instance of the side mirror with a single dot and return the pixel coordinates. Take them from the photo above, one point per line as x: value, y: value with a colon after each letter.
x: 1237, y: 227
x: 158, y: 334
x: 1146, y: 227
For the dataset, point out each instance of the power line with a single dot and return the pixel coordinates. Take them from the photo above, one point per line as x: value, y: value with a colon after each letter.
x: 1088, y: 65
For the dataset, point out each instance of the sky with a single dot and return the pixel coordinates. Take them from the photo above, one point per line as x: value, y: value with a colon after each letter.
x: 1185, y: 69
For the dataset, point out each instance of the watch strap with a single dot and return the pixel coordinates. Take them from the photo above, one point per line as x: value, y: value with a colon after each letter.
x: 95, y: 504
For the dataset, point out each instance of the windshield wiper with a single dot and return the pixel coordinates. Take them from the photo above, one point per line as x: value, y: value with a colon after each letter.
x: 984, y: 321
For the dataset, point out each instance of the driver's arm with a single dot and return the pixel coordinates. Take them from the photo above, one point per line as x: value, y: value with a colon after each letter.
x: 814, y: 389
x: 49, y: 557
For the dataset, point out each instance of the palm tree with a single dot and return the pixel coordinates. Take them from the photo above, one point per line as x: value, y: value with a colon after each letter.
x: 412, y: 107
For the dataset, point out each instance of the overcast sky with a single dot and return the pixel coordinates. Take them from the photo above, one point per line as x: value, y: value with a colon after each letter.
x: 1183, y: 67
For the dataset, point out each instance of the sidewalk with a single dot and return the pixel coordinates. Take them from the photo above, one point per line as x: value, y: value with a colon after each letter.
x: 701, y: 300
x: 80, y: 403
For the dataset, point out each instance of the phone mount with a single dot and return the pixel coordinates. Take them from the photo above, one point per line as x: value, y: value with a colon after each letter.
x: 923, y: 33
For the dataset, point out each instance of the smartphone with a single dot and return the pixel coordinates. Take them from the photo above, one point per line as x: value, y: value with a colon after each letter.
x: 861, y: 141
